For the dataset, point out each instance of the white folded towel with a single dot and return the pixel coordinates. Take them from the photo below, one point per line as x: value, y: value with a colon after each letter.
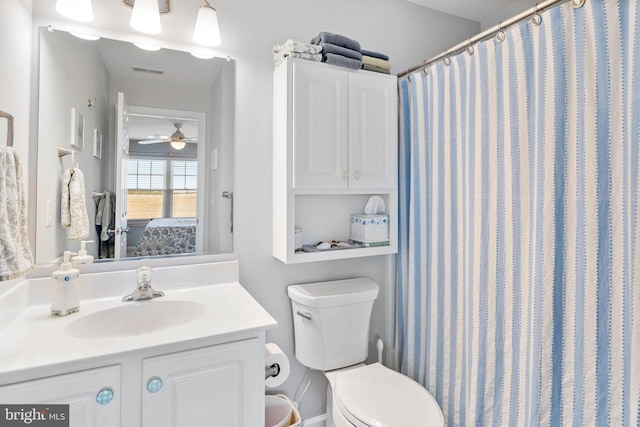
x: 295, y: 49
x: 73, y: 206
x: 16, y: 258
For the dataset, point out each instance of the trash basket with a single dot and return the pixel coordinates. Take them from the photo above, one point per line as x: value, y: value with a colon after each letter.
x: 280, y: 412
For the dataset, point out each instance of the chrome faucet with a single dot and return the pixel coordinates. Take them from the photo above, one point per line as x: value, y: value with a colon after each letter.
x: 143, y: 289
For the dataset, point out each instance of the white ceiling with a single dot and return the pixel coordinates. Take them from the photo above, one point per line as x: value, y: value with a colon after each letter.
x: 475, y: 10
x: 112, y: 16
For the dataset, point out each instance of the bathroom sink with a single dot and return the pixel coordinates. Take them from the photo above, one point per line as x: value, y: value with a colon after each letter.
x: 136, y: 318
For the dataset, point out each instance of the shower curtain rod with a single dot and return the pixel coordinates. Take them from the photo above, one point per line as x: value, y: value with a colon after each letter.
x: 539, y: 7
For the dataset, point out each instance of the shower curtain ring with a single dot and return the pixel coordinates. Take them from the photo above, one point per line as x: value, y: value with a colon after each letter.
x: 578, y: 3
x: 470, y: 49
x: 447, y: 60
x: 500, y: 35
x: 536, y: 19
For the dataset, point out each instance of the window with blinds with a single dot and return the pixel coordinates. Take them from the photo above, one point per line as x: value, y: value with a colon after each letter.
x: 161, y: 188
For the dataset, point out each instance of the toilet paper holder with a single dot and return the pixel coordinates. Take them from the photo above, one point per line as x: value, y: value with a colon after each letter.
x: 271, y: 371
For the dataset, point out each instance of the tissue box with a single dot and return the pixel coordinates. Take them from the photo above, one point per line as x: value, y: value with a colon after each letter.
x: 372, y: 230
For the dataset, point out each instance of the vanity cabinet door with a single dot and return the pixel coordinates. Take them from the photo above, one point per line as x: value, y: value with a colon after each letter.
x: 213, y: 386
x: 93, y: 396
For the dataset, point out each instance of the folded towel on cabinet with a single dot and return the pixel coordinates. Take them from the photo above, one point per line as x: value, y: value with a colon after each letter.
x: 279, y: 59
x: 374, y: 54
x: 339, y: 50
x: 342, y: 61
x: 73, y: 207
x: 293, y: 49
x: 294, y: 46
x: 376, y: 62
x: 368, y: 67
x: 16, y: 258
x: 337, y: 39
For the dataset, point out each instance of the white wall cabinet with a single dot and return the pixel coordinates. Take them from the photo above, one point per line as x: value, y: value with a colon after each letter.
x: 216, y: 385
x: 93, y: 395
x: 335, y: 145
x: 209, y: 386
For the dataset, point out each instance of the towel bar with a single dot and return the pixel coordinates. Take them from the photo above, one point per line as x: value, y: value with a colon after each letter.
x: 9, y: 118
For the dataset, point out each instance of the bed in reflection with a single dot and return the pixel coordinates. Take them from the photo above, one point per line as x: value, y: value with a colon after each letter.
x: 167, y: 236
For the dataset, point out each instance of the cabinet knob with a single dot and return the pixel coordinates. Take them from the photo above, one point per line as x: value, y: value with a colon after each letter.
x: 345, y: 175
x: 104, y: 396
x: 356, y: 175
x: 154, y: 385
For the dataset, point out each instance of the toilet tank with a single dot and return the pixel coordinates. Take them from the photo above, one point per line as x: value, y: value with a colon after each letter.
x: 331, y: 322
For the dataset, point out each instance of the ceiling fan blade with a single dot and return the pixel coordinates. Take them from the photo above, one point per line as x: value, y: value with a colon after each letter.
x: 151, y: 141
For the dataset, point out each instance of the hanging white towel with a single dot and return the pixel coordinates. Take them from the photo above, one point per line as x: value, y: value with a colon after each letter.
x: 16, y: 258
x: 73, y: 212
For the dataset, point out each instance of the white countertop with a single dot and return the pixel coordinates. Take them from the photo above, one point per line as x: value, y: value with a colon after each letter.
x: 35, y: 344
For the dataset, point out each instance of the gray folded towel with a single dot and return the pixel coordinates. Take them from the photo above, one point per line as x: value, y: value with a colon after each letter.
x: 337, y: 39
x: 341, y: 61
x: 374, y: 54
x: 339, y: 50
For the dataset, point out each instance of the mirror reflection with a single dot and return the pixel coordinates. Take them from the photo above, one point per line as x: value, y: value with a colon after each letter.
x: 151, y: 133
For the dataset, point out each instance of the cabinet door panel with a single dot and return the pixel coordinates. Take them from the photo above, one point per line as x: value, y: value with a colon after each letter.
x: 372, y: 131
x: 320, y: 130
x: 78, y: 390
x: 211, y: 386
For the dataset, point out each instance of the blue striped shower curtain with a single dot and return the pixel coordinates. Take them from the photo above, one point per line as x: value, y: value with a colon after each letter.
x: 519, y: 266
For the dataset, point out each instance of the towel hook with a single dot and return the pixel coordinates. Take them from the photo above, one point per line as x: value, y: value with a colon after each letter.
x: 9, y: 118
x: 65, y: 152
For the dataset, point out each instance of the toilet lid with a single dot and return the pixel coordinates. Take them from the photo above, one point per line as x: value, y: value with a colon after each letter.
x: 376, y: 396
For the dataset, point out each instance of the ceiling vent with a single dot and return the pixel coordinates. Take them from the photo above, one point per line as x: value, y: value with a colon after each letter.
x: 147, y: 70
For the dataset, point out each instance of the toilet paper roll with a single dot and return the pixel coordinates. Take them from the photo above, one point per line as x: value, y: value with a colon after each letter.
x: 274, y: 355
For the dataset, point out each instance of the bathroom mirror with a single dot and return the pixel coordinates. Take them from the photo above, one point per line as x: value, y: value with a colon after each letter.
x: 179, y: 191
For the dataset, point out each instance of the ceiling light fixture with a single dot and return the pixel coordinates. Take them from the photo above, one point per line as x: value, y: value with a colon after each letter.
x: 146, y: 17
x: 178, y: 145
x: 78, y: 10
x: 207, y: 31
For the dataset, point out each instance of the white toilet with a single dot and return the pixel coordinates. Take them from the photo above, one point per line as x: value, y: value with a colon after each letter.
x: 331, y: 325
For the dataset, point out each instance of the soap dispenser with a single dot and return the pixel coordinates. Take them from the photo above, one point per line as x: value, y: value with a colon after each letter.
x: 82, y: 257
x: 65, y: 294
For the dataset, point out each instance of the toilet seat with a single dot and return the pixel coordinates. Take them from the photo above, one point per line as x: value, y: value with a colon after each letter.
x: 376, y: 396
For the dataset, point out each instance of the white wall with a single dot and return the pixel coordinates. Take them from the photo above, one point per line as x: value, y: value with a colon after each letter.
x: 405, y: 31
x: 72, y: 72
x: 408, y: 34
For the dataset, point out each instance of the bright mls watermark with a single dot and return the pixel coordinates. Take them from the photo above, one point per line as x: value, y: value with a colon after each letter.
x: 34, y: 415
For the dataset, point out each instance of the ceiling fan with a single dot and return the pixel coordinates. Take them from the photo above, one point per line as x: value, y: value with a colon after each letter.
x: 176, y: 139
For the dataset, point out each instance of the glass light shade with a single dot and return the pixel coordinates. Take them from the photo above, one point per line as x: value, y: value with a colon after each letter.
x: 146, y: 17
x: 78, y: 10
x: 207, y: 32
x: 178, y: 145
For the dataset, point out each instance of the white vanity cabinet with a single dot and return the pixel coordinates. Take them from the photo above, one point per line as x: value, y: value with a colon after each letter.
x: 334, y: 146
x: 93, y: 395
x: 203, y: 387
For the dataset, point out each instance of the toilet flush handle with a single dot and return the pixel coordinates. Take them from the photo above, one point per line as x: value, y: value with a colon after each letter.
x: 306, y: 314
